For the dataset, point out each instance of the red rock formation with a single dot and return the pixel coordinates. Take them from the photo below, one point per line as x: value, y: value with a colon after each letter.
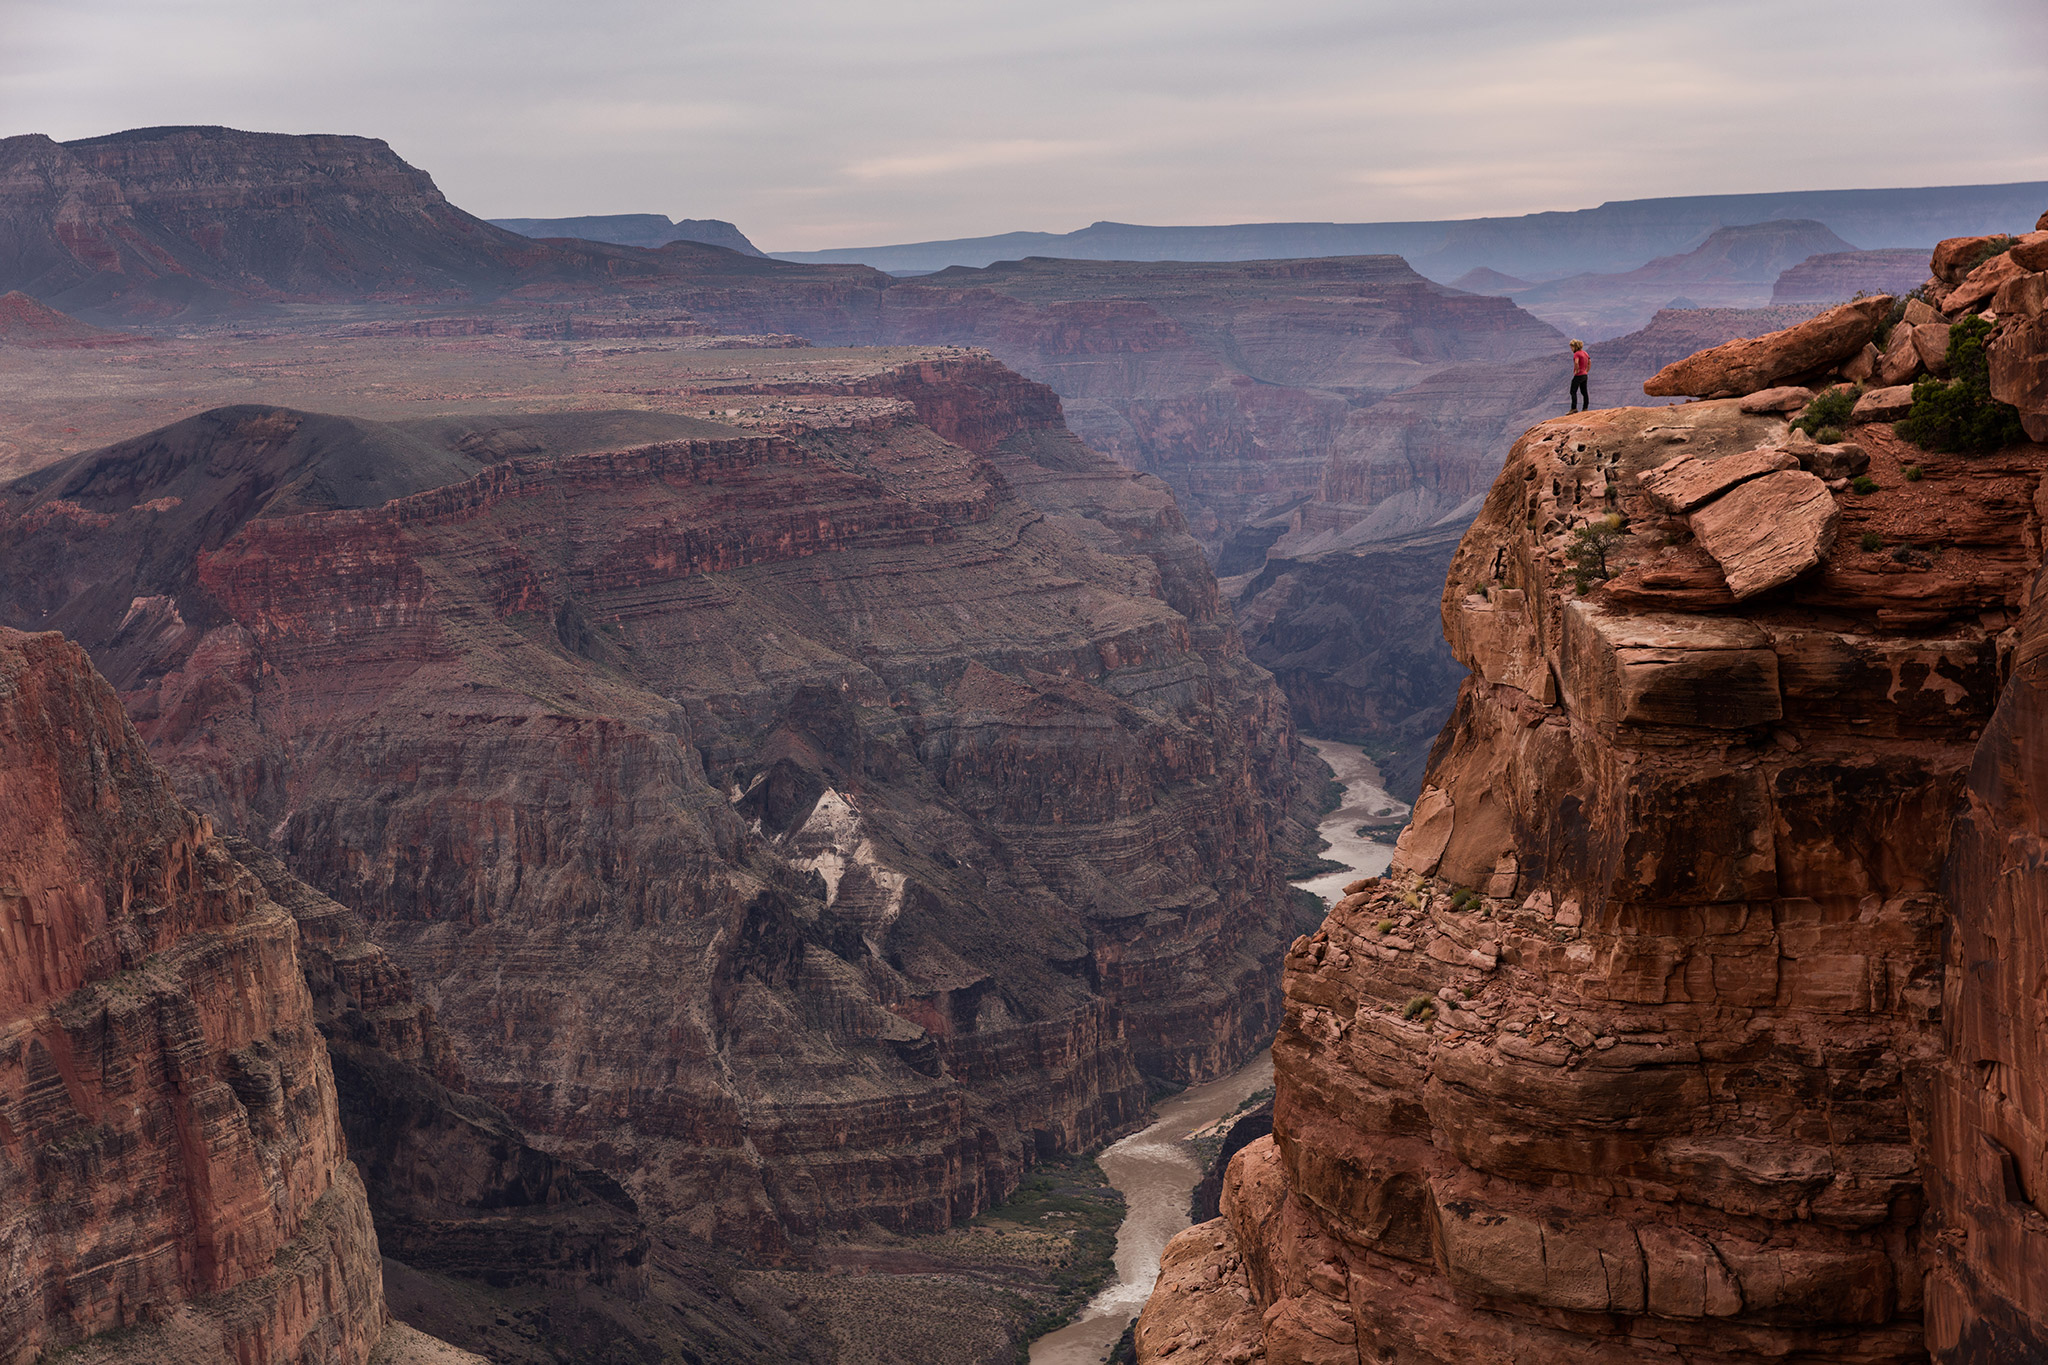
x: 170, y: 1154
x: 808, y: 828
x: 25, y: 322
x: 1739, y: 367
x: 1623, y: 1063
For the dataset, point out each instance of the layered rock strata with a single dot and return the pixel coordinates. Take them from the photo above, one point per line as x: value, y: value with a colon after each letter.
x: 1680, y: 1029
x: 809, y: 827
x: 171, y: 1158
x: 1622, y: 1062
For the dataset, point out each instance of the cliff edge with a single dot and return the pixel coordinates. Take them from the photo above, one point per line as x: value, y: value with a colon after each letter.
x: 171, y: 1159
x: 1682, y: 1029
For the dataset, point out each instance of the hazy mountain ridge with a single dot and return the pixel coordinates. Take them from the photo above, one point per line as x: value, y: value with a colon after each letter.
x: 1618, y: 235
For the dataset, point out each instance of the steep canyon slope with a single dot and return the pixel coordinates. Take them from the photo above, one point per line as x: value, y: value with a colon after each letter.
x: 810, y: 822
x: 171, y: 1157
x: 1693, y: 1021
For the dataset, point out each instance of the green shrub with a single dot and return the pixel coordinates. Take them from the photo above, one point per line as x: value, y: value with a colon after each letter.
x: 1828, y: 436
x: 1997, y: 246
x: 1863, y: 483
x: 1385, y: 926
x: 1961, y: 414
x: 1828, y: 411
x: 1913, y: 474
x: 1462, y: 899
x: 1587, y: 552
x: 1871, y: 540
x: 1422, y: 1007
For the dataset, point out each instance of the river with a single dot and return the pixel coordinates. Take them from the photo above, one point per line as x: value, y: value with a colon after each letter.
x: 1150, y: 1168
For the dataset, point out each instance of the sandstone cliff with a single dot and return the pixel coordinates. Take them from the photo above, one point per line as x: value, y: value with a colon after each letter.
x: 171, y: 1159
x: 808, y: 825
x: 1679, y: 1031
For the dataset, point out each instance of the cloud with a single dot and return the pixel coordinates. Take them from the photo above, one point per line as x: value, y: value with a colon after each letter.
x: 830, y: 124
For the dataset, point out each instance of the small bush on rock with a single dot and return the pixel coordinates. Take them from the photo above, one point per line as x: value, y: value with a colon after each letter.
x: 1997, y: 246
x: 1871, y: 540
x: 1828, y: 412
x: 1913, y: 474
x: 1422, y: 1007
x: 1961, y: 414
x: 1587, y: 552
x: 1863, y: 483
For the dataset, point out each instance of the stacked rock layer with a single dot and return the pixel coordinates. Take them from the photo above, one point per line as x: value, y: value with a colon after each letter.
x: 1680, y: 1030
x: 171, y: 1160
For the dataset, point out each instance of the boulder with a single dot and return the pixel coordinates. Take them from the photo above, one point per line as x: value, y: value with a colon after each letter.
x: 2031, y: 251
x: 1931, y: 342
x: 1984, y: 281
x: 1920, y: 312
x: 1687, y: 482
x: 1839, y: 460
x: 1660, y: 668
x: 2041, y: 223
x: 2018, y: 357
x: 1957, y: 257
x: 1746, y: 365
x: 1901, y: 358
x: 1883, y: 405
x: 2023, y: 297
x: 1768, y: 531
x: 1785, y: 398
x: 1862, y: 365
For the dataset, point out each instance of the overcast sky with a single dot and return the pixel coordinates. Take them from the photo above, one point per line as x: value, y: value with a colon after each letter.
x: 841, y: 124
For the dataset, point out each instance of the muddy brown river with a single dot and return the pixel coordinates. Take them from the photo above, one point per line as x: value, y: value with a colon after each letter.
x: 1152, y: 1170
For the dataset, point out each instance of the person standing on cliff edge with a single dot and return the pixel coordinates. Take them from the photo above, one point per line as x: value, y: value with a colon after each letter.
x: 1582, y: 364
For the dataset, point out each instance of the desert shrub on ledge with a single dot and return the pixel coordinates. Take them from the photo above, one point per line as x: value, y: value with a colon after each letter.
x: 1961, y: 414
x: 1828, y: 413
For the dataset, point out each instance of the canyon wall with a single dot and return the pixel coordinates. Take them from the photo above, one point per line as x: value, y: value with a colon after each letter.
x: 810, y: 825
x: 171, y: 1158
x: 1682, y: 1027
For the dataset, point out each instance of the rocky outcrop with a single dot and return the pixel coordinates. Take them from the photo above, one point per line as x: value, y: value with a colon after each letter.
x: 807, y: 828
x: 1742, y: 367
x: 1987, y: 1290
x: 171, y: 1159
x: 1681, y: 1027
x: 1622, y: 1059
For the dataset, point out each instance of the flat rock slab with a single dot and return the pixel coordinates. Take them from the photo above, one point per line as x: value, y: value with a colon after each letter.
x: 1884, y: 405
x: 1768, y: 531
x: 1747, y: 365
x: 1682, y: 484
x: 1784, y: 398
x: 1665, y: 668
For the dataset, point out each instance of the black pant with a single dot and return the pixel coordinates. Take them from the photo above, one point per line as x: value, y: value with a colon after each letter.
x: 1579, y: 393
